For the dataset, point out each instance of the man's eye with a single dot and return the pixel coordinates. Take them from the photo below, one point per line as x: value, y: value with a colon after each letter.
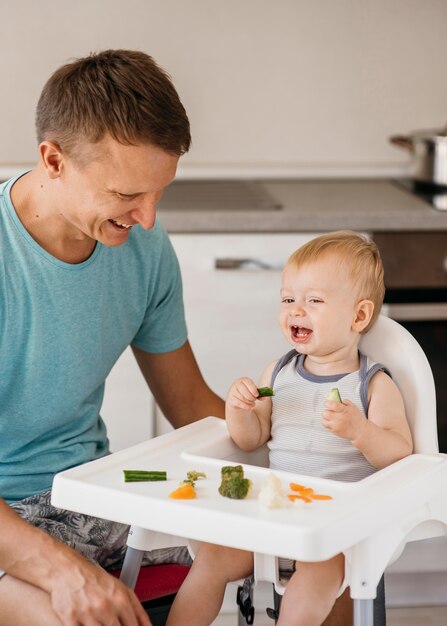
x: 124, y: 197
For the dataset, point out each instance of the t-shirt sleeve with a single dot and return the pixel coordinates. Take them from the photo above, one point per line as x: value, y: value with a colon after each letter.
x: 164, y: 327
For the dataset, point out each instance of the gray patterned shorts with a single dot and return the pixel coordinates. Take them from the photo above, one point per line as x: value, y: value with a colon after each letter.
x: 99, y: 540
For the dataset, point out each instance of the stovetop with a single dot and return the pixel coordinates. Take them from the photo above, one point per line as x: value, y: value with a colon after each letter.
x: 434, y: 195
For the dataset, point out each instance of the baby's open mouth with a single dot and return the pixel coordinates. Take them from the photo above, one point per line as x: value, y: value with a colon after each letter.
x: 299, y: 332
x: 120, y: 224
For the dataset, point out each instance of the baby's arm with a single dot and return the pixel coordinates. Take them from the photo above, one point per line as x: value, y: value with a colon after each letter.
x: 385, y: 436
x: 248, y: 418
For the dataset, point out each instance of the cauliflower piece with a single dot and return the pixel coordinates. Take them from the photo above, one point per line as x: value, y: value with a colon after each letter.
x: 271, y: 495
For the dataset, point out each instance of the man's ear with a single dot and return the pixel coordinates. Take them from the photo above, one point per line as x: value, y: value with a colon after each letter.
x: 52, y: 158
x: 363, y: 313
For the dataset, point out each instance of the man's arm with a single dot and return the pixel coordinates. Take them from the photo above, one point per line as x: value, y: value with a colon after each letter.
x: 69, y: 589
x: 178, y: 385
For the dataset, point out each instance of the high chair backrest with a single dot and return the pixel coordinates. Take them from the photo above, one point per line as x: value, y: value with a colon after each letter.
x: 392, y: 345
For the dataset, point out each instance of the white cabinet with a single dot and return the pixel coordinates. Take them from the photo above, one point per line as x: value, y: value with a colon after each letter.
x: 232, y: 314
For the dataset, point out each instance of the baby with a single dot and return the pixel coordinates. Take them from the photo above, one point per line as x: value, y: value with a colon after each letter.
x: 331, y: 293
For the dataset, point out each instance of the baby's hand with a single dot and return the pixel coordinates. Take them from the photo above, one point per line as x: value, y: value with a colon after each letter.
x: 243, y: 394
x: 343, y: 419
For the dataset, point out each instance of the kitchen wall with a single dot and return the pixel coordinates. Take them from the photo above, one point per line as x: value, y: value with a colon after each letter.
x: 272, y: 87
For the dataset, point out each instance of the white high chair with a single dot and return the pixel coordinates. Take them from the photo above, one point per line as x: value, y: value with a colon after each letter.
x: 392, y: 345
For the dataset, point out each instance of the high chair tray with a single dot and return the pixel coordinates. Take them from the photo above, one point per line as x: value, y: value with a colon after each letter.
x: 411, y: 490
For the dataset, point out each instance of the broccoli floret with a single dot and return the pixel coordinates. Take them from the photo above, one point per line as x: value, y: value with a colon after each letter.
x: 231, y: 471
x: 193, y: 475
x: 233, y: 484
x: 236, y: 488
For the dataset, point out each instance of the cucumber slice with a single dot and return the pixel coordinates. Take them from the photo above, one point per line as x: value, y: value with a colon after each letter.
x: 265, y: 392
x: 333, y: 395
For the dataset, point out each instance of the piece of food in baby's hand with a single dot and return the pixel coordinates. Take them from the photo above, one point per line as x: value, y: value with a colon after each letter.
x: 265, y: 392
x: 271, y: 495
x: 132, y: 476
x: 333, y: 395
x: 233, y: 484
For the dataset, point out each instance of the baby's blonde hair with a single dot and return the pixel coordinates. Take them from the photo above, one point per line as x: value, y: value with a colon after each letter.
x: 358, y: 254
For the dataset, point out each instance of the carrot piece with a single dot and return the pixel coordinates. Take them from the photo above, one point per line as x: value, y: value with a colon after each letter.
x: 185, y: 492
x: 295, y: 496
x: 301, y: 488
x: 295, y: 487
x: 306, y: 493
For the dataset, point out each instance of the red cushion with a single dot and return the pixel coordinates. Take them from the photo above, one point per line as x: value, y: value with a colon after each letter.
x: 156, y: 581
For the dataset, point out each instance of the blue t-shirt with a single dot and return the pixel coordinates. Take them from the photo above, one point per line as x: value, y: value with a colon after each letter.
x: 62, y: 328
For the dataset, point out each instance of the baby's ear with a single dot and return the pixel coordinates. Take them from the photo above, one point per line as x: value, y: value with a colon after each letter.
x: 363, y: 313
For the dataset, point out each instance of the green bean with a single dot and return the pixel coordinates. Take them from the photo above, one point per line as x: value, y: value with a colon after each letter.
x: 131, y: 476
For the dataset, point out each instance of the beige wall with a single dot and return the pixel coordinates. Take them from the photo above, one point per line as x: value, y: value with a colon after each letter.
x: 301, y: 86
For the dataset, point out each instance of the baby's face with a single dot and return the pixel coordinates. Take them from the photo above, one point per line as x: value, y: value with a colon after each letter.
x: 318, y: 307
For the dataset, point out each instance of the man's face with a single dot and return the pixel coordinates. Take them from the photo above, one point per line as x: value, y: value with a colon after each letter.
x: 116, y: 187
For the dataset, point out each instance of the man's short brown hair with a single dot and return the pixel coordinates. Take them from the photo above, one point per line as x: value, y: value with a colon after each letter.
x: 359, y: 255
x: 121, y: 93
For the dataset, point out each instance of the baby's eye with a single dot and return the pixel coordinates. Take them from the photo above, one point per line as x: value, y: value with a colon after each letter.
x: 287, y: 300
x: 314, y: 300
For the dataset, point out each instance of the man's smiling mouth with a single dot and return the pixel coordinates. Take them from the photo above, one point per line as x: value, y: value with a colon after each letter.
x: 120, y: 224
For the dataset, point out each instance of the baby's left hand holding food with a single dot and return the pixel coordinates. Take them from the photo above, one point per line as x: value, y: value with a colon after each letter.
x: 343, y: 419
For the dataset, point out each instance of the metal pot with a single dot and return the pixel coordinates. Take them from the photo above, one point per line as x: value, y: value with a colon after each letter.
x: 429, y: 151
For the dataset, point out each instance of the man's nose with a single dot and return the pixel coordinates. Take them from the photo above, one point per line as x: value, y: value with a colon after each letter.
x: 145, y: 213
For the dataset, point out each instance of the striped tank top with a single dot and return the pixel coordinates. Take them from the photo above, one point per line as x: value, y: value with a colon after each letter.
x: 299, y: 442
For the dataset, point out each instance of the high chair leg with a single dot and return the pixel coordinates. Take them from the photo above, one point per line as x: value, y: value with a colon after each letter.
x: 131, y: 566
x: 363, y: 612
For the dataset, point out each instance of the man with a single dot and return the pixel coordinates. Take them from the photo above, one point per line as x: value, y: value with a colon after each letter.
x: 86, y: 271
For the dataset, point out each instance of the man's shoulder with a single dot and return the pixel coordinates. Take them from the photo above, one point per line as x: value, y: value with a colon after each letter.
x: 4, y: 185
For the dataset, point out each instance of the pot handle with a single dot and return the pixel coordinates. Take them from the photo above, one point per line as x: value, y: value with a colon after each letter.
x: 402, y: 141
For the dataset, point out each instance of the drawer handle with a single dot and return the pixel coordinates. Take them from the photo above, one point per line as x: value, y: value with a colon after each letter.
x: 231, y: 263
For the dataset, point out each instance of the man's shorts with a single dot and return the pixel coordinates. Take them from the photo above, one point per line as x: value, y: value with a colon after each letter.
x: 100, y: 541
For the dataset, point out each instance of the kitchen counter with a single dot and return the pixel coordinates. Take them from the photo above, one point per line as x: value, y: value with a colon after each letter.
x: 295, y: 206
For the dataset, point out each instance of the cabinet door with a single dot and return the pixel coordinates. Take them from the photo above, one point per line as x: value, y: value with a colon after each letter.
x: 231, y: 292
